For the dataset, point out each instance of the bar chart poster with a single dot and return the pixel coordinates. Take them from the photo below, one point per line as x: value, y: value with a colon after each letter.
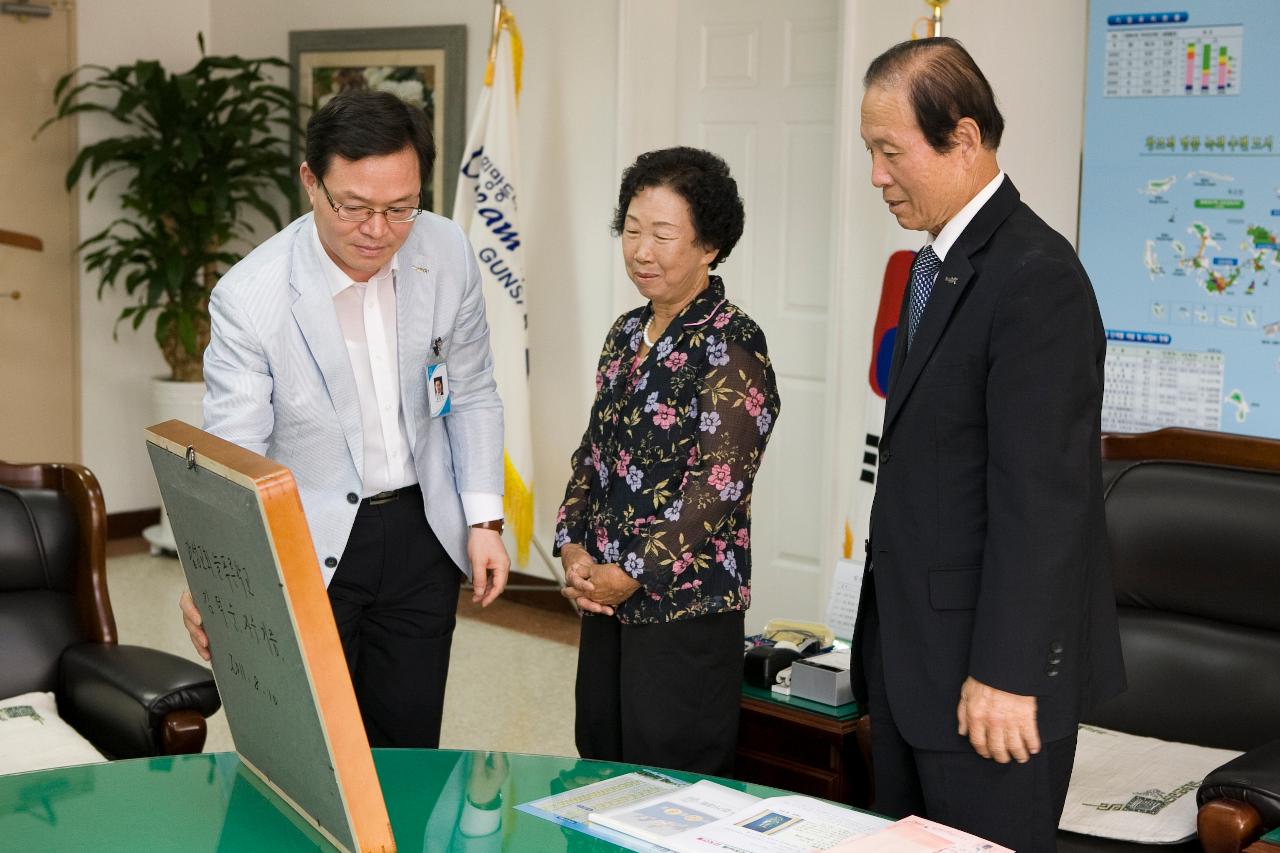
x: 1180, y: 211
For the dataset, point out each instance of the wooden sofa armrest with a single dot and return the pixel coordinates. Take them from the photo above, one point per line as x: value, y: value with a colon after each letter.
x: 1226, y: 826
x: 1240, y: 799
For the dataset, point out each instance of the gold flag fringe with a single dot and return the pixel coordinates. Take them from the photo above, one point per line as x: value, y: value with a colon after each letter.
x: 517, y: 505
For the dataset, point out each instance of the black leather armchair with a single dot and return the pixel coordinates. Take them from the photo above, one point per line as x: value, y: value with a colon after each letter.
x: 1193, y: 520
x: 58, y: 633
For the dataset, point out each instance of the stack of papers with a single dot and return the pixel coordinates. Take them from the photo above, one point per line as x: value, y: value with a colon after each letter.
x: 705, y: 816
x: 650, y: 812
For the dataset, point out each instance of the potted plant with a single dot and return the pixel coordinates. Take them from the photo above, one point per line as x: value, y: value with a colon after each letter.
x: 203, y: 151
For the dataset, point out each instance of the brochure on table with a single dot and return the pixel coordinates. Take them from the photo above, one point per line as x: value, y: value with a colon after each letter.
x: 670, y: 814
x: 648, y: 812
x: 710, y: 817
x: 574, y: 807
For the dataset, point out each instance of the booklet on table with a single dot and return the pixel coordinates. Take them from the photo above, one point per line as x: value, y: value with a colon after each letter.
x: 673, y: 812
x: 706, y: 816
x: 573, y: 807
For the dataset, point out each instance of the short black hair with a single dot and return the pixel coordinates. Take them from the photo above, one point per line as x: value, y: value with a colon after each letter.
x: 359, y: 123
x: 699, y: 177
x: 945, y: 85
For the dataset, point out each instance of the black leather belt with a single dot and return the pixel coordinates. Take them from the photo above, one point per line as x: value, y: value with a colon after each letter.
x: 393, y: 495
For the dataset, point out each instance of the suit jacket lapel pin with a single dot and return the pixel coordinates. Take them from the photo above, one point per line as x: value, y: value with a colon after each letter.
x: 950, y: 279
x: 422, y: 270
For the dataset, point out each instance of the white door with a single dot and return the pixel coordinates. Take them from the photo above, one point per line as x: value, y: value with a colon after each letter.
x: 755, y: 81
x: 38, y: 388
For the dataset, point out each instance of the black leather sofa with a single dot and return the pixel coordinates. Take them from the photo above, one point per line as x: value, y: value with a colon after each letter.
x: 1193, y: 520
x: 58, y: 633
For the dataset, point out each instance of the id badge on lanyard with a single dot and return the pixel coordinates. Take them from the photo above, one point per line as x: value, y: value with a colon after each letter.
x: 438, y: 381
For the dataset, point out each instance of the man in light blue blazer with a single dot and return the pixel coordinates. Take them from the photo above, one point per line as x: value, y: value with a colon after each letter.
x: 352, y: 347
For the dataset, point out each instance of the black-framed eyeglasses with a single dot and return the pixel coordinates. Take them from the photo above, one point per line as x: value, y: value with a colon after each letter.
x: 361, y: 213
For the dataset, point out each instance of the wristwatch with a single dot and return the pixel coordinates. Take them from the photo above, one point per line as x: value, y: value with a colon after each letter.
x: 496, y: 801
x: 495, y: 525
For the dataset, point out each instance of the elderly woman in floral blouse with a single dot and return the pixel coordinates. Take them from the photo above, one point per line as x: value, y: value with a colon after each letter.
x: 655, y: 529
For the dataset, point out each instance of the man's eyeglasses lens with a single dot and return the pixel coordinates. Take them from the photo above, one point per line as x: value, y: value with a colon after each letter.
x: 356, y: 213
x: 360, y: 213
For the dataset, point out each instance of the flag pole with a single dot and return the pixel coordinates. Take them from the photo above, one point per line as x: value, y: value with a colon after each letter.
x: 935, y: 26
x: 494, y: 235
x: 932, y: 23
x: 493, y: 37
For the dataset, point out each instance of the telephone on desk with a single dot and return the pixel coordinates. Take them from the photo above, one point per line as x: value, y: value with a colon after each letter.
x: 771, y: 653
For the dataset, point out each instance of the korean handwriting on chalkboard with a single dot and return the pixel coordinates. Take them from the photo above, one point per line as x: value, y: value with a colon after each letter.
x: 234, y: 575
x: 241, y: 621
x: 239, y: 671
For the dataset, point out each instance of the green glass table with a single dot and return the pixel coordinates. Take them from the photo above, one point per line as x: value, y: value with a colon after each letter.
x: 211, y: 802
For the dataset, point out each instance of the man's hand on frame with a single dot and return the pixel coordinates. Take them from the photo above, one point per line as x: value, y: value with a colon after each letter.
x: 193, y: 621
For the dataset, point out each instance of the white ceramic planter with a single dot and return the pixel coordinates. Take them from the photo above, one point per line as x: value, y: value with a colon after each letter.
x: 183, y: 401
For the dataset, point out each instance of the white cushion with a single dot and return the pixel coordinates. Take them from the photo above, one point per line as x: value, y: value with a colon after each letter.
x: 34, y: 737
x: 1136, y: 789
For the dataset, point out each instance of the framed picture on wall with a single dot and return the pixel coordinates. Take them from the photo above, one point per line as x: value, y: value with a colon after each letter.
x: 425, y: 66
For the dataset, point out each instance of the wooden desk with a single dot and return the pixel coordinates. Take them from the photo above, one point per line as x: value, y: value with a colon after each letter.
x: 786, y: 745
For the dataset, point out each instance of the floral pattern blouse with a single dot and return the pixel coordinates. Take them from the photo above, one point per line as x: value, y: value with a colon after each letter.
x: 661, y: 484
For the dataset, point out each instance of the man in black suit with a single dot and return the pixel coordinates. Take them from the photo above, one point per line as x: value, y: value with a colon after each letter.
x: 987, y: 623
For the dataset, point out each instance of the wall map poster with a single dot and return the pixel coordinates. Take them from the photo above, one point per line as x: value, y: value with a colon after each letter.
x: 1180, y: 211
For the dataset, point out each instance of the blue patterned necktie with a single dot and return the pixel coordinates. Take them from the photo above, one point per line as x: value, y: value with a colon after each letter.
x: 924, y: 269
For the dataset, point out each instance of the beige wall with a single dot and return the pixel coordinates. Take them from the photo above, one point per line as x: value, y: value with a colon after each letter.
x: 1037, y: 72
x: 116, y: 374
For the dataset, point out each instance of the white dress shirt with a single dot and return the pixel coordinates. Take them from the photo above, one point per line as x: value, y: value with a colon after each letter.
x: 952, y: 230
x: 367, y: 315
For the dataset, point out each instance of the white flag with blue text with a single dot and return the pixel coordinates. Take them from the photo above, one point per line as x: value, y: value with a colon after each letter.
x: 486, y: 206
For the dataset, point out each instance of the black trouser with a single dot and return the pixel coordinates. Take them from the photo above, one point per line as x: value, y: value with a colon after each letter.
x: 1015, y: 805
x: 665, y: 695
x: 395, y: 599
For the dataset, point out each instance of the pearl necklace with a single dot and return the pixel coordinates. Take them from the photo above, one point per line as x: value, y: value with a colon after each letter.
x: 650, y: 344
